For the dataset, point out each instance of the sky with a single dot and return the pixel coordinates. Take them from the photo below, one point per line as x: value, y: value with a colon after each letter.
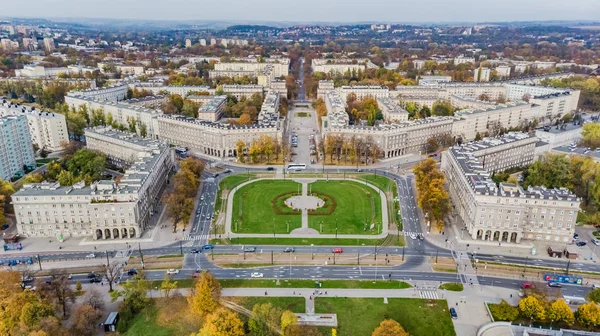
x: 310, y: 10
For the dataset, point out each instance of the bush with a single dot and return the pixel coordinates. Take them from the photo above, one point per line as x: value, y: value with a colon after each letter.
x: 504, y: 311
x: 329, y: 205
x: 280, y: 208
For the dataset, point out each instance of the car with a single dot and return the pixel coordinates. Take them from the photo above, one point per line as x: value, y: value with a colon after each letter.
x: 359, y: 170
x: 270, y: 169
x: 95, y: 280
x: 91, y: 255
x: 207, y: 247
x: 256, y: 275
x: 527, y: 285
x: 207, y: 216
x: 70, y: 277
x: 554, y: 284
x: 420, y: 236
x: 413, y: 236
x: 227, y: 171
x: 202, y: 198
x: 198, y: 211
x: 576, y: 236
x: 91, y: 275
x: 194, y: 251
x: 249, y: 249
x: 337, y: 250
x: 453, y: 313
x: 595, y: 241
x: 27, y: 278
x: 196, y: 273
x: 5, y: 226
x: 581, y: 243
x: 595, y: 286
x: 132, y: 271
x: 289, y: 250
x: 173, y: 271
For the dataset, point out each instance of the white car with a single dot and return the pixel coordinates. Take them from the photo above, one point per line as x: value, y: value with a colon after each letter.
x: 413, y: 236
x: 256, y: 275
x: 91, y: 255
x: 173, y: 271
x: 595, y: 286
x: 595, y: 241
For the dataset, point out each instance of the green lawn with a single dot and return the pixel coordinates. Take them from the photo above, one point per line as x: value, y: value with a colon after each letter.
x: 359, y: 317
x: 452, y: 286
x: 254, y: 213
x: 144, y: 324
x: 232, y: 181
x: 306, y: 242
x: 357, y: 205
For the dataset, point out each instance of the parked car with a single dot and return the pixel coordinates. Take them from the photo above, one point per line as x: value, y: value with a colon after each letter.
x: 453, y: 313
x: 249, y: 249
x: 289, y: 250
x: 256, y: 275
x: 132, y: 272
x: 581, y: 243
x: 337, y: 250
x: 270, y: 169
x: 91, y: 275
x: 527, y: 285
x: 595, y: 286
x: 91, y: 255
x: 207, y: 247
x: 95, y: 280
x: 173, y: 271
x: 5, y: 226
x: 194, y: 251
x: 576, y: 236
x: 554, y: 284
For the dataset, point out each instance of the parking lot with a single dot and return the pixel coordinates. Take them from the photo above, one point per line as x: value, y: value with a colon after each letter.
x: 301, y: 132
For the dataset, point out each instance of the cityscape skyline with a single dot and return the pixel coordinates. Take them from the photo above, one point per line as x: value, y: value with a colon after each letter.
x: 330, y: 11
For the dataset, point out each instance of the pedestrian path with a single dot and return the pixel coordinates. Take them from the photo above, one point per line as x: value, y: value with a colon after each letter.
x: 429, y: 294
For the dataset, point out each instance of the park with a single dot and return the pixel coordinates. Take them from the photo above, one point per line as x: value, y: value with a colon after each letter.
x: 307, y: 207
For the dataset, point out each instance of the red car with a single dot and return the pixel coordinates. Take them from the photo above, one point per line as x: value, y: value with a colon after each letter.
x: 527, y: 285
x: 337, y: 250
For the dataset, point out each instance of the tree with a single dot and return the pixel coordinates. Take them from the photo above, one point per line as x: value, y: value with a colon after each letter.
x: 59, y: 290
x: 591, y: 135
x: 588, y: 314
x: 222, y: 322
x: 478, y: 137
x: 53, y: 169
x: 532, y: 308
x: 389, y: 327
x: 288, y: 318
x: 432, y: 145
x: 594, y: 296
x: 134, y: 293
x: 168, y: 285
x: 33, y: 178
x: 432, y: 197
x: 84, y: 320
x: 190, y: 108
x: 112, y: 273
x: 245, y: 119
x: 143, y: 130
x: 94, y: 299
x: 301, y: 330
x: 78, y: 286
x: 442, y: 108
x: 504, y: 311
x: 205, y: 296
x: 66, y: 178
x: 559, y: 311
x: 265, y: 319
x: 240, y: 147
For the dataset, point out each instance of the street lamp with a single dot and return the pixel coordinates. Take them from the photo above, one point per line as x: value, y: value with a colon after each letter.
x: 336, y: 228
x: 312, y: 255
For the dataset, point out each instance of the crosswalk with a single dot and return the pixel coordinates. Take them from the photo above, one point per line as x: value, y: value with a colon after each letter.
x: 428, y: 294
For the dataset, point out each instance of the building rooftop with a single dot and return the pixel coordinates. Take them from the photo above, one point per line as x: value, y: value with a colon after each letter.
x: 213, y: 105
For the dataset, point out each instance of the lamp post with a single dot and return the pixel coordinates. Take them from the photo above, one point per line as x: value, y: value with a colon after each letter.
x: 312, y: 255
x: 336, y: 228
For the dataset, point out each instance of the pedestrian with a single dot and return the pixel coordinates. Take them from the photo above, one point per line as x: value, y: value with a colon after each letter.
x: 325, y: 292
x: 294, y: 292
x: 511, y: 296
x: 265, y: 293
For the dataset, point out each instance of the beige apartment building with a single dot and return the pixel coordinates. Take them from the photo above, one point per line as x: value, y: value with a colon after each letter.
x: 505, y: 212
x: 209, y: 138
x: 105, y: 209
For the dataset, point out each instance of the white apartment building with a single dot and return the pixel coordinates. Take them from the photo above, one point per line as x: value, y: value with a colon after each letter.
x: 183, y: 91
x: 279, y: 67
x: 470, y: 103
x: 49, y: 45
x: 363, y: 91
x: 463, y: 60
x: 103, y: 210
x: 482, y: 74
x: 16, y: 149
x: 122, y: 149
x: 269, y: 111
x: 39, y: 71
x: 506, y: 212
x: 126, y: 69
x: 113, y: 93
x: 433, y: 80
x: 557, y: 104
x: 46, y: 129
x: 341, y: 66
x: 419, y: 64
x: 240, y: 91
x: 203, y: 42
x: 392, y: 112
x: 503, y: 71
x: 336, y: 111
x: 561, y: 135
x: 204, y: 137
x: 516, y: 92
x: 279, y: 86
x: 213, y: 109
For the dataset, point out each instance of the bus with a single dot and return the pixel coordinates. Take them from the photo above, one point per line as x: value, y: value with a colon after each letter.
x: 296, y: 166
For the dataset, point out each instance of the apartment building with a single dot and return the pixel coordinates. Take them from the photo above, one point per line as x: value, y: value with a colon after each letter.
x: 122, y: 149
x: 183, y: 91
x: 278, y: 67
x: 505, y: 212
x: 38, y: 71
x: 16, y: 149
x: 336, y: 111
x: 468, y: 102
x: 239, y: 91
x: 279, y: 86
x: 212, y: 110
x: 463, y: 60
x: 503, y: 71
x: 433, y: 80
x: 269, y: 111
x: 363, y: 91
x: 482, y: 74
x: 341, y: 66
x: 557, y: 104
x: 126, y: 69
x: 46, y: 129
x: 105, y: 209
x: 391, y: 110
x: 516, y: 92
x: 49, y: 45
x: 208, y: 138
x: 8, y: 45
x: 113, y: 93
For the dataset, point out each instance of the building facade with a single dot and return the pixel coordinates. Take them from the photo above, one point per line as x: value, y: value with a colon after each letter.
x: 505, y: 212
x: 16, y: 148
x: 105, y: 209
